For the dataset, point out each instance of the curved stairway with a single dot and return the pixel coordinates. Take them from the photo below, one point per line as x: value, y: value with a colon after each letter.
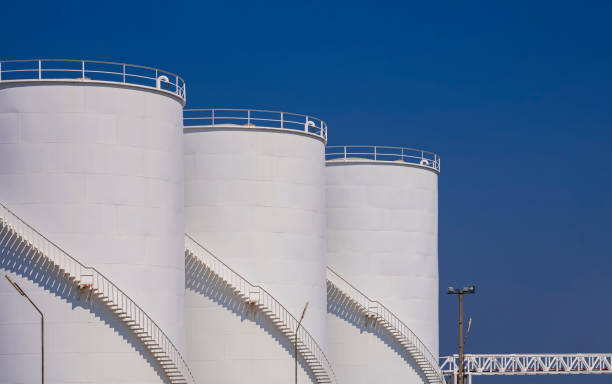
x: 376, y: 312
x: 258, y: 297
x: 21, y: 237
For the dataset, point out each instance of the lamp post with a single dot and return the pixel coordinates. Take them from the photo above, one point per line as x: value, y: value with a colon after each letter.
x: 42, y: 327
x: 296, y: 339
x: 460, y: 292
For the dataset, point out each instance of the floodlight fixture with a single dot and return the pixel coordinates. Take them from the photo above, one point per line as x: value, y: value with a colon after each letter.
x: 470, y: 289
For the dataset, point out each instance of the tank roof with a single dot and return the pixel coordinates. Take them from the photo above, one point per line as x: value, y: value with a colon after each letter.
x: 226, y: 118
x: 382, y: 154
x: 91, y: 71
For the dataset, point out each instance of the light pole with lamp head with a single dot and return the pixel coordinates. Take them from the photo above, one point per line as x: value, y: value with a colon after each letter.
x: 460, y: 292
x: 42, y: 327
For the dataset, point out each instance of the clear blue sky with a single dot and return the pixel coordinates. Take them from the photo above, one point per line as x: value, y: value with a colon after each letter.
x: 516, y: 98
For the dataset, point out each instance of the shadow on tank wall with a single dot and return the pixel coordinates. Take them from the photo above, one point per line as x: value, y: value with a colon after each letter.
x: 24, y: 262
x: 205, y: 282
x: 341, y: 306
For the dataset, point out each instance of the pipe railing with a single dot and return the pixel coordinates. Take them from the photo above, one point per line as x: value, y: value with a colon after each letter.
x: 374, y: 308
x: 254, y: 118
x: 383, y: 154
x: 255, y: 294
x: 15, y: 230
x: 91, y: 70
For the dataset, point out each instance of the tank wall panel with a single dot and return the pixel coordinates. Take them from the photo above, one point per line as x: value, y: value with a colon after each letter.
x: 383, y: 238
x: 228, y: 343
x: 99, y: 171
x: 365, y: 354
x: 84, y: 341
x: 256, y: 199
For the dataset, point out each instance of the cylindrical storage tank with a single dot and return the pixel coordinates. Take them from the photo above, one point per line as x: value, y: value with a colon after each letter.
x: 382, y: 222
x: 255, y: 198
x: 91, y: 156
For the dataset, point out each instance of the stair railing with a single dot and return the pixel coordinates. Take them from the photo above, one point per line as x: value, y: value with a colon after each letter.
x: 96, y: 281
x: 374, y: 308
x: 255, y: 294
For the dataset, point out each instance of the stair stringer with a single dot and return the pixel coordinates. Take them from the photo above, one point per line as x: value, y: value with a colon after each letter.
x: 256, y: 296
x: 19, y: 234
x: 375, y: 312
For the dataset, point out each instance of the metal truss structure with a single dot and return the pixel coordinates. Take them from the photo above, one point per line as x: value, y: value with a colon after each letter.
x: 526, y: 364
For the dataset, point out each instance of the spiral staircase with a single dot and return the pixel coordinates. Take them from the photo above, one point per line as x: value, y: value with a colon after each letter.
x: 257, y: 297
x: 375, y: 312
x: 22, y: 239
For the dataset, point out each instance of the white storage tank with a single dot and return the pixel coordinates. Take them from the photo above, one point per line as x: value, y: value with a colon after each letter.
x: 91, y: 156
x: 255, y: 198
x: 382, y: 222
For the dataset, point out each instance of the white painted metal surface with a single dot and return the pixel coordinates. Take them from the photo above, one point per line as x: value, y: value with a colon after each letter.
x: 258, y: 299
x: 27, y: 245
x: 98, y: 168
x: 530, y: 364
x: 382, y: 220
x: 62, y: 70
x: 255, y: 118
x: 378, y: 315
x: 256, y: 198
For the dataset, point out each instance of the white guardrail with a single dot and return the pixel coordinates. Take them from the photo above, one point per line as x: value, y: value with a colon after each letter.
x: 383, y: 154
x: 529, y: 364
x: 256, y: 295
x: 16, y: 233
x: 91, y: 70
x: 254, y: 118
x: 404, y: 335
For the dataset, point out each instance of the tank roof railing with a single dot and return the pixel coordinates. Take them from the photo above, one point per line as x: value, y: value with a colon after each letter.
x: 372, y: 153
x: 91, y: 70
x: 254, y: 118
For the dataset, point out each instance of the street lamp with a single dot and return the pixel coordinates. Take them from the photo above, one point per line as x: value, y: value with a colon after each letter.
x: 296, y: 339
x: 460, y: 292
x: 42, y: 327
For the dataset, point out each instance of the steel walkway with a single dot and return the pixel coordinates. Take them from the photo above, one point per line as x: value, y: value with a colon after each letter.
x: 529, y: 364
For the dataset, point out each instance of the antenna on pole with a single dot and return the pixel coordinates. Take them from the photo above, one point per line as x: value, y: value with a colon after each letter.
x: 467, y: 332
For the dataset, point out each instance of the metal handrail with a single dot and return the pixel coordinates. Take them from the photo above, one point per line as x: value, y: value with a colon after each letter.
x: 377, y: 309
x: 259, y: 296
x: 98, y: 282
x: 254, y: 118
x: 92, y: 70
x: 377, y: 153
